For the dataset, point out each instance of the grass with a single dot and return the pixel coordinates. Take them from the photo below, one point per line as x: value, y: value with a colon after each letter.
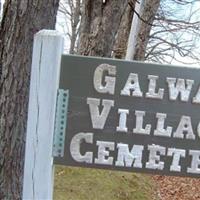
x: 92, y: 184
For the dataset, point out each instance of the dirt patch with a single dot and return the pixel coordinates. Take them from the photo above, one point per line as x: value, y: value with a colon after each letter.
x: 176, y: 188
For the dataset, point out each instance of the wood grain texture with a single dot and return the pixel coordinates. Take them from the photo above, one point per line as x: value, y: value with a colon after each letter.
x: 20, y: 21
x: 38, y: 171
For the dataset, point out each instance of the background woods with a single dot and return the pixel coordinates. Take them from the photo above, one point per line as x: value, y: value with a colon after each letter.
x: 167, y: 30
x: 161, y: 31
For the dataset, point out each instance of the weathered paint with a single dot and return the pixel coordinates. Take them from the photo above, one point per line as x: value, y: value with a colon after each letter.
x: 150, y: 121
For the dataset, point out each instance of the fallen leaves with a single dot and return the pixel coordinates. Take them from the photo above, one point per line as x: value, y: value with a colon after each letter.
x: 177, y: 188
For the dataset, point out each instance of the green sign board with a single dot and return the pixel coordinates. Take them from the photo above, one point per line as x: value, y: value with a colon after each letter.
x: 131, y: 116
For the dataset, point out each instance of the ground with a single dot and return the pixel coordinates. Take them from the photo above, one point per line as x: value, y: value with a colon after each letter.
x: 92, y: 184
x: 177, y: 188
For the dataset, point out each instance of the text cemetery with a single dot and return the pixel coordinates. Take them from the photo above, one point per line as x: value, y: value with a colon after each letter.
x: 123, y: 136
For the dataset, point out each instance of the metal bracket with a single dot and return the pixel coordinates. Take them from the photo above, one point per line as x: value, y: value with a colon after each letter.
x: 60, y: 122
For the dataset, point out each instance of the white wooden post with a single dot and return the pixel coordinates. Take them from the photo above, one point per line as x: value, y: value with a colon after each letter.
x: 134, y: 32
x: 38, y: 170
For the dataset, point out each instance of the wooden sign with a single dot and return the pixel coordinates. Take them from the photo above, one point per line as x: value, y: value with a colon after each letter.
x: 131, y: 116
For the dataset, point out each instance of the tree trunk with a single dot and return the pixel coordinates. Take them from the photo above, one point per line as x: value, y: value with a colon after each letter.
x: 75, y: 19
x: 99, y: 25
x: 140, y: 34
x: 21, y: 20
x: 148, y: 15
x: 119, y: 50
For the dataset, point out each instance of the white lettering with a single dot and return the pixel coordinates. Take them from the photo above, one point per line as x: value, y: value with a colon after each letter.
x: 177, y: 154
x: 126, y: 157
x: 185, y: 126
x: 110, y: 81
x: 154, y: 159
x: 75, y: 147
x: 152, y: 88
x: 179, y: 88
x: 122, y: 120
x: 99, y: 120
x: 160, y: 131
x: 103, y: 153
x: 196, y: 99
x: 132, y: 86
x: 195, y: 162
x: 139, y: 124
